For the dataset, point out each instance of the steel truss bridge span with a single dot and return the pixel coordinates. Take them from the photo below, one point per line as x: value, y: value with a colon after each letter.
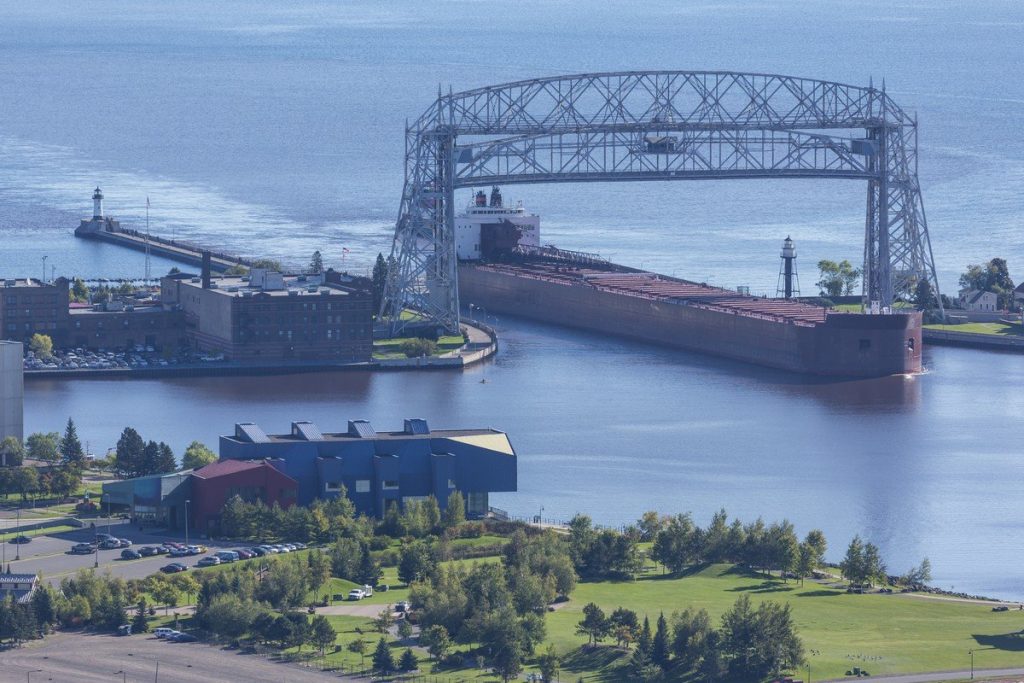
x: 655, y: 125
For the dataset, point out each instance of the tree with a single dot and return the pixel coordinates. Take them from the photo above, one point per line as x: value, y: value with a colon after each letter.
x: 25, y: 480
x: 43, y: 446
x: 805, y: 564
x: 130, y: 447
x: 44, y: 605
x: 919, y: 575
x: 992, y: 277
x: 408, y: 662
x: 64, y: 481
x: 196, y: 456
x: 358, y: 646
x: 762, y: 642
x: 316, y: 263
x: 165, y: 462
x: 660, y: 646
x: 384, y: 621
x: 549, y: 664
x: 624, y: 626
x: 79, y: 292
x: 12, y: 453
x: 454, y: 511
x: 837, y: 279
x: 437, y: 640
x: 319, y: 571
x: 383, y: 662
x: 380, y: 279
x: 415, y: 562
x: 41, y: 345
x: 673, y: 544
x: 322, y: 634
x: 691, y: 637
x: 71, y: 451
x: 853, y: 567
x: 594, y: 624
x: 924, y: 295
x: 268, y: 264
x: 369, y: 571
x: 404, y: 629
x: 163, y: 591
x: 139, y: 623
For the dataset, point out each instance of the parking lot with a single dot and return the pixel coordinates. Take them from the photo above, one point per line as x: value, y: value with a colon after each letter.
x: 68, y: 657
x: 51, y: 554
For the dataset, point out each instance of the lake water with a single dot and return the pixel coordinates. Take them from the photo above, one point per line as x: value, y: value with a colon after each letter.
x: 274, y: 129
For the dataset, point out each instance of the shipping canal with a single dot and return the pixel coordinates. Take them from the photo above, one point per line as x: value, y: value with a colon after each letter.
x: 922, y: 465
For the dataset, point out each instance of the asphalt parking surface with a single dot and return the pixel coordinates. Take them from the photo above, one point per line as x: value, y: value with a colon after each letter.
x: 51, y: 554
x: 67, y: 657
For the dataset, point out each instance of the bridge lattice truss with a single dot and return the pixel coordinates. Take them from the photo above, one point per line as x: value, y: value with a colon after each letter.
x: 659, y: 125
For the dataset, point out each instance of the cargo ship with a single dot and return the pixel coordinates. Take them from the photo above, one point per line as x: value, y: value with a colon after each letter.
x: 507, y: 274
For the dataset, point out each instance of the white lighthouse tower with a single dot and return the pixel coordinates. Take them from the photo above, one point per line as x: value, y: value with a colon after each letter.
x: 98, y: 222
x: 97, y: 204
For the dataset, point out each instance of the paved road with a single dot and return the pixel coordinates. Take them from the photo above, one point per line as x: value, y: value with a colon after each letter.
x: 1001, y: 675
x: 74, y: 657
x: 50, y: 554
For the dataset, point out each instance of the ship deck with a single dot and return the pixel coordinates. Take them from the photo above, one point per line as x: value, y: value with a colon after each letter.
x: 671, y: 290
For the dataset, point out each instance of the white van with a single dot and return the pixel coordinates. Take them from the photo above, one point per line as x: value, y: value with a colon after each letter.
x: 162, y: 632
x: 227, y: 556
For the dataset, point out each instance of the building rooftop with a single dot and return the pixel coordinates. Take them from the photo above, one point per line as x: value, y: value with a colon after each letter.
x: 663, y: 288
x: 17, y: 578
x: 24, y: 282
x: 415, y: 428
x: 271, y: 284
x: 223, y: 467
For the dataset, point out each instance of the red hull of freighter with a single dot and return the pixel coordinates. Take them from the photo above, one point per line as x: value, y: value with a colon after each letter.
x: 777, y: 333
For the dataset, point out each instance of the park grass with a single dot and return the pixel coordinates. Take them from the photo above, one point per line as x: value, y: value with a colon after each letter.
x: 997, y: 328
x: 45, y: 531
x: 387, y: 349
x: 884, y: 634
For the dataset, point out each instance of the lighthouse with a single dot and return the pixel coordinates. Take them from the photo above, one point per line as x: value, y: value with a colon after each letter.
x: 789, y: 283
x: 97, y: 204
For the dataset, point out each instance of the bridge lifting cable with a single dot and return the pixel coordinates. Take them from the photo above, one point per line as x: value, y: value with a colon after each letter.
x: 654, y: 125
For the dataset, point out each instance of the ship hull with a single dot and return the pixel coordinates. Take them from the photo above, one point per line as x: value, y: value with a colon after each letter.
x: 843, y: 345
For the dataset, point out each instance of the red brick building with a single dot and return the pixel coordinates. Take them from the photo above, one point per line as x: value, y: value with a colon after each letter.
x: 252, y: 480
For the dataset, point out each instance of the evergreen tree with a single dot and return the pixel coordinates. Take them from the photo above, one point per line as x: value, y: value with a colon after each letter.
x: 369, y: 572
x: 44, y: 604
x: 594, y: 624
x: 322, y: 634
x: 139, y: 623
x: 129, y: 454
x: 408, y: 662
x: 316, y: 263
x: 165, y: 462
x: 645, y: 642
x: 659, y: 646
x: 380, y: 278
x: 71, y: 452
x: 383, y: 661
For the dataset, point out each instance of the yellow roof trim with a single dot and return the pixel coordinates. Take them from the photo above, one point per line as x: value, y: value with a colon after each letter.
x: 491, y: 442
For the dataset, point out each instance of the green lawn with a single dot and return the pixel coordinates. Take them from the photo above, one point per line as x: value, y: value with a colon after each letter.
x: 38, y: 532
x: 385, y: 349
x: 980, y: 328
x: 881, y: 633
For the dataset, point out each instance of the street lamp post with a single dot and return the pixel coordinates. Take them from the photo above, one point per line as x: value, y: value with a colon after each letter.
x: 106, y: 497
x: 44, y: 269
x: 124, y: 675
x: 187, y: 501
x: 971, y: 652
x: 28, y: 674
x: 17, y: 551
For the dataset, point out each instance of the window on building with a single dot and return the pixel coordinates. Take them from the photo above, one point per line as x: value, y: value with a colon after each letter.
x: 362, y: 485
x: 332, y: 486
x: 451, y: 483
x: 390, y: 484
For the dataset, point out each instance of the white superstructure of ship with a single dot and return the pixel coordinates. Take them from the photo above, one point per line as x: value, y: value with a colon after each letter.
x: 485, y: 220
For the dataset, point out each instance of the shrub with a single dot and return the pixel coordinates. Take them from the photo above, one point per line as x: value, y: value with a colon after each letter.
x: 418, y: 347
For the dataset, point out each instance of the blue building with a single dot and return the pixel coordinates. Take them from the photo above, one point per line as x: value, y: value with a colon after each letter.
x: 378, y: 468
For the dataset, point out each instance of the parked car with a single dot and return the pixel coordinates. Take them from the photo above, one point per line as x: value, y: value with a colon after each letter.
x: 196, y: 549
x: 124, y: 630
x: 299, y: 546
x: 356, y: 594
x: 163, y: 632
x: 110, y: 544
x: 148, y: 551
x: 258, y: 552
x: 20, y: 539
x: 129, y: 554
x: 208, y: 561
x: 125, y: 543
x: 183, y: 638
x: 179, y: 552
x: 402, y: 606
x: 245, y: 554
x: 226, y: 556
x: 173, y: 568
x: 103, y: 537
x: 83, y: 548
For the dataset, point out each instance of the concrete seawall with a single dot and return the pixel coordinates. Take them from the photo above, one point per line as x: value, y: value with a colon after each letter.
x: 992, y: 342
